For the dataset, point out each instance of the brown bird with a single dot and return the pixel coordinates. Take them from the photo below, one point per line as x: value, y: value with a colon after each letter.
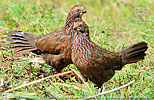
x: 54, y: 47
x: 97, y: 63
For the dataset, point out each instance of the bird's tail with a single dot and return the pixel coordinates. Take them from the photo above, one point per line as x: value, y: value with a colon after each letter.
x: 133, y: 53
x: 21, y: 41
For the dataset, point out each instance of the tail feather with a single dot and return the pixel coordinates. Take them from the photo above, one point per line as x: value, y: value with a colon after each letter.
x: 26, y: 49
x: 21, y: 41
x: 137, y: 52
x: 19, y: 47
x: 136, y: 58
x: 133, y: 53
x: 17, y: 39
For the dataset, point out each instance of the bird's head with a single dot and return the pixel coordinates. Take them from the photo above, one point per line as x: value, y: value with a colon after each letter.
x: 80, y: 26
x: 78, y: 11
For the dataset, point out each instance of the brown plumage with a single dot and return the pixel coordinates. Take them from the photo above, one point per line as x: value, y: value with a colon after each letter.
x: 54, y: 47
x: 97, y: 63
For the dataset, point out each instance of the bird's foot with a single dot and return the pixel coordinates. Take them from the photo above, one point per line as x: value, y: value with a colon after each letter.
x: 66, y: 76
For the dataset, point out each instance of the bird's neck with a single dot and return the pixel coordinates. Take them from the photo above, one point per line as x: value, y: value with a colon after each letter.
x: 69, y: 16
x: 69, y: 19
x: 81, y: 39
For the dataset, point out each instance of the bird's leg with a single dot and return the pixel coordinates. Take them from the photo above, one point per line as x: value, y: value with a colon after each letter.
x: 58, y: 77
x: 54, y: 60
x: 71, y: 74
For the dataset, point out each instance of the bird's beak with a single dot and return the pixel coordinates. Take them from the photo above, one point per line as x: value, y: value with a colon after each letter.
x: 83, y: 11
x: 74, y: 28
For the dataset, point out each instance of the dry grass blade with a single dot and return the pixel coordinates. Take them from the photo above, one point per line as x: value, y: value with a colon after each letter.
x: 33, y: 82
x: 119, y: 88
x: 69, y: 86
x: 81, y: 79
x: 36, y: 60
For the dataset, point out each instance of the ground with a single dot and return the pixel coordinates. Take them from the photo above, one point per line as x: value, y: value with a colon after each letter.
x: 113, y: 24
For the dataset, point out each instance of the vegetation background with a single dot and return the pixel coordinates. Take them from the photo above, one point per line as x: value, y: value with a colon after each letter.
x: 113, y: 24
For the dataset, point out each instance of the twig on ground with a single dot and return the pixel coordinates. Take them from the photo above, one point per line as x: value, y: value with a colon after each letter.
x: 119, y: 88
x: 33, y: 82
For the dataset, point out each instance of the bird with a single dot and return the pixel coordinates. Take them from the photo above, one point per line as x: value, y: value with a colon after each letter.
x: 54, y: 47
x: 97, y: 63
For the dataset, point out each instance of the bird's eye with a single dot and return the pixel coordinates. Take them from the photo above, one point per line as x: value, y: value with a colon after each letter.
x: 77, y: 10
x: 81, y: 25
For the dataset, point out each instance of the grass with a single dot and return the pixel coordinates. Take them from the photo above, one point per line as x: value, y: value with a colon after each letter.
x: 113, y: 25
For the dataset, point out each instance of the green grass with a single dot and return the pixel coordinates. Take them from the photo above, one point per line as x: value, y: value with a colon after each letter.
x: 123, y: 22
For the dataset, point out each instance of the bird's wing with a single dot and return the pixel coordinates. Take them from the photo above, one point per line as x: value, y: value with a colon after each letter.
x: 51, y: 42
